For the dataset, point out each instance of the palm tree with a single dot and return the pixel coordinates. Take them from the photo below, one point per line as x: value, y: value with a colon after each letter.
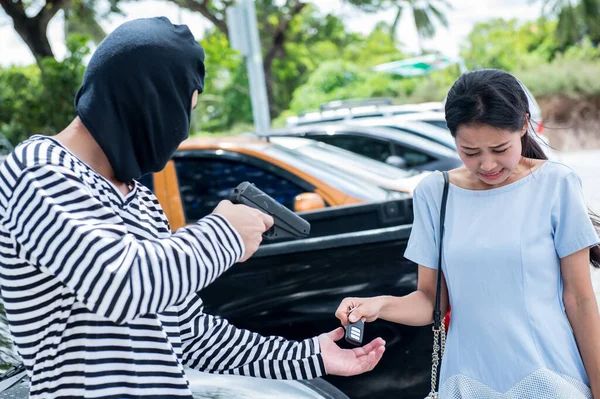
x: 425, y: 13
x: 576, y: 19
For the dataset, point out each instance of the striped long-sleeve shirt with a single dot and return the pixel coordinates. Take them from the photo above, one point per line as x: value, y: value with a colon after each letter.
x: 101, y: 296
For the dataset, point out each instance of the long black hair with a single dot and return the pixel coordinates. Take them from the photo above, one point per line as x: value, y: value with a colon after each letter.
x: 496, y: 98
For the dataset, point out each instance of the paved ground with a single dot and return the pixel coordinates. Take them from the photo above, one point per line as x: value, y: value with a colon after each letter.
x: 587, y: 165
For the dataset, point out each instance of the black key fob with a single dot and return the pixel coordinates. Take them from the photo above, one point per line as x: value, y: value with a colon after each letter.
x: 354, y: 332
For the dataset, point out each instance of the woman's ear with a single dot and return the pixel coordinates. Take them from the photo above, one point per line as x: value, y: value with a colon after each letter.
x: 525, y: 124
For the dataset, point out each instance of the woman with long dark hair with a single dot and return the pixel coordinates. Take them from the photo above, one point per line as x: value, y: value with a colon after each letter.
x: 517, y: 245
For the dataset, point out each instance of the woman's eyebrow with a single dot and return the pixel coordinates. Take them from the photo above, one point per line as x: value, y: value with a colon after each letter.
x: 493, y: 148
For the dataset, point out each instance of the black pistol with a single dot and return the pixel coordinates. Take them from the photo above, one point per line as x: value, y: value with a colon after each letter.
x: 287, y: 223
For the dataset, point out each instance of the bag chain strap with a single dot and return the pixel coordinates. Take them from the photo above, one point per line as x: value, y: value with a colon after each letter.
x: 439, y: 328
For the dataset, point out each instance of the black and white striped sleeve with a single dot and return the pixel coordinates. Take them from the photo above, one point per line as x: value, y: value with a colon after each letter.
x: 212, y: 344
x: 58, y: 226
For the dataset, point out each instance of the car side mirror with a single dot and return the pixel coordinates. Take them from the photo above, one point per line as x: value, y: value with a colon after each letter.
x: 396, y: 161
x: 308, y: 202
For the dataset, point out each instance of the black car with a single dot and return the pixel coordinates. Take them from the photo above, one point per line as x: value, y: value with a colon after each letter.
x: 403, y: 149
x: 292, y: 289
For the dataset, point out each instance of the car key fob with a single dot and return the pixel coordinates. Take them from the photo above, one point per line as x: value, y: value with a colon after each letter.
x: 354, y: 332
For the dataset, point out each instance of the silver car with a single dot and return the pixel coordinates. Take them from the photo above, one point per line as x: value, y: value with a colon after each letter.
x: 14, y: 384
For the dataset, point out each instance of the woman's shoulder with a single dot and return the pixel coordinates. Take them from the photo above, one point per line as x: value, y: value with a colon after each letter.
x: 431, y: 186
x: 557, y: 171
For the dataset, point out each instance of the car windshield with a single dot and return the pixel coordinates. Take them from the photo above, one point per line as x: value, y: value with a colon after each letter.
x: 335, y: 177
x: 343, y: 159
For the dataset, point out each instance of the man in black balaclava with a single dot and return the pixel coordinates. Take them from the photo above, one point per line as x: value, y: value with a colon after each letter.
x: 102, y: 298
x: 136, y: 93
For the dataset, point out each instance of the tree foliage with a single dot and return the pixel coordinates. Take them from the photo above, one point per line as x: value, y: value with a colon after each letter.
x: 32, y: 29
x: 577, y: 20
x: 318, y: 38
x: 509, y: 44
x: 40, y: 100
x: 426, y: 14
x: 310, y: 58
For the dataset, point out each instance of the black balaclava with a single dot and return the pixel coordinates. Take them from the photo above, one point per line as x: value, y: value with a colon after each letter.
x: 137, y: 92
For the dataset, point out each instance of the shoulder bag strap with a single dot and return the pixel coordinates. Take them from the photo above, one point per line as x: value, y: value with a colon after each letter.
x: 437, y: 314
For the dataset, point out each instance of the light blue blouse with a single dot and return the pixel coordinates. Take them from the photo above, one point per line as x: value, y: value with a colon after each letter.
x: 509, y: 335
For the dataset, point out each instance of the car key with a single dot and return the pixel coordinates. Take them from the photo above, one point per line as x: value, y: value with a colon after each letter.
x: 355, y: 331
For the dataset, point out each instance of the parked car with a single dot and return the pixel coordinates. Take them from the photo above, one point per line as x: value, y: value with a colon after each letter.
x: 379, y: 173
x: 292, y: 289
x: 383, y: 112
x: 403, y: 149
x: 349, y: 110
x: 410, y: 126
x: 213, y: 386
x: 415, y: 123
x: 204, y: 171
x: 434, y: 118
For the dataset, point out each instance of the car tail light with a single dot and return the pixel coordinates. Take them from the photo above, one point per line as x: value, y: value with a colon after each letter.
x: 540, y: 128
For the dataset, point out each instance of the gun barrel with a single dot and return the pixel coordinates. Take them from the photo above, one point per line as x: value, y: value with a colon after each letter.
x: 287, y: 223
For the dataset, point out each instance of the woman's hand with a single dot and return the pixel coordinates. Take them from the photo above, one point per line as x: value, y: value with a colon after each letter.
x: 354, y: 309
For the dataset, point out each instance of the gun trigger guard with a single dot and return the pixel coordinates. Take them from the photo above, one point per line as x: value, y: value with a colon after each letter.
x: 269, y: 233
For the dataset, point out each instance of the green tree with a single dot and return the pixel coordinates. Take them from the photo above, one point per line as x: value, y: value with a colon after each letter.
x: 341, y: 80
x: 226, y: 99
x: 274, y: 20
x: 82, y: 17
x: 32, y: 29
x: 317, y: 38
x: 40, y: 100
x: 506, y: 44
x: 350, y: 77
x: 576, y: 19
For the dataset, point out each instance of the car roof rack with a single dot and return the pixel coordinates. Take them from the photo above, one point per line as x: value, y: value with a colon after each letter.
x: 349, y: 104
x: 337, y: 111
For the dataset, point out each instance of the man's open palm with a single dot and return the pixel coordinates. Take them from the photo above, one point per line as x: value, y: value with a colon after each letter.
x: 347, y: 362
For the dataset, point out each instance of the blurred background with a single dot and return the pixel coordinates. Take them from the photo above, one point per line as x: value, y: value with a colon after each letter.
x: 315, y: 52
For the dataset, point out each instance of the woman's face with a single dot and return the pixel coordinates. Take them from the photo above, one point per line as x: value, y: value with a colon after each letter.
x: 490, y: 154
